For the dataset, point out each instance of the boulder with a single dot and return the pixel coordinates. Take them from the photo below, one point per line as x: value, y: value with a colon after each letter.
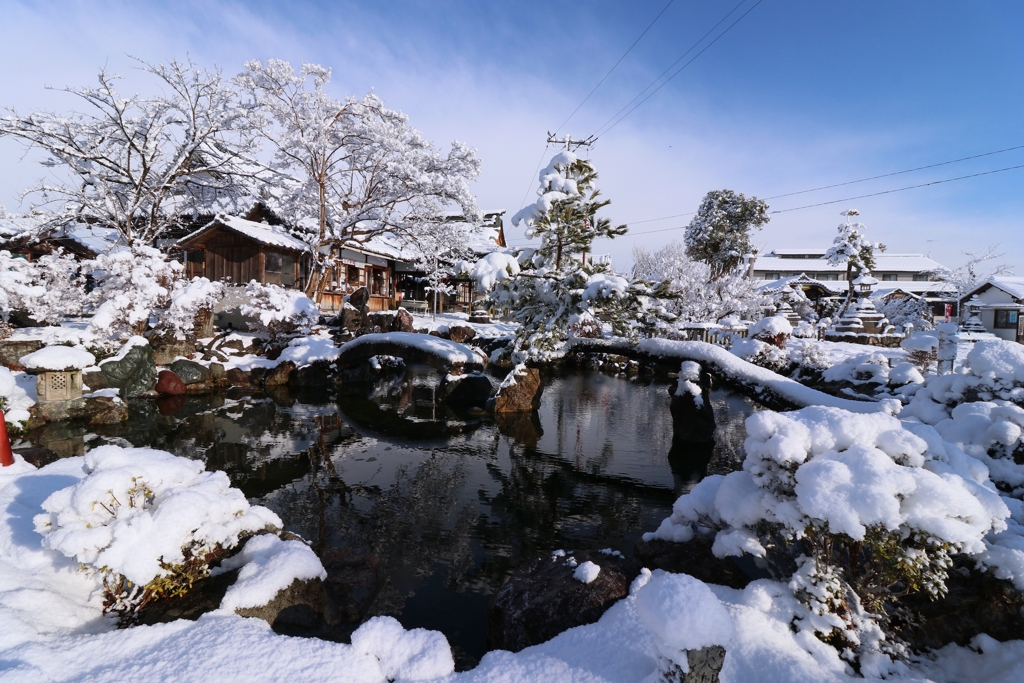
x: 313, y: 375
x: 403, y: 321
x: 190, y: 372
x: 278, y: 376
x: 135, y: 374
x: 217, y: 372
x: 359, y: 298
x: 236, y: 378
x: 204, y: 596
x: 693, y: 558
x: 479, y: 317
x: 12, y: 351
x: 351, y: 317
x: 299, y: 607
x: 37, y: 455
x: 468, y: 391
x: 169, y: 384
x: 95, y: 380
x: 166, y: 348
x: 693, y: 417
x: 461, y: 333
x: 100, y: 410
x: 543, y: 599
x: 520, y: 391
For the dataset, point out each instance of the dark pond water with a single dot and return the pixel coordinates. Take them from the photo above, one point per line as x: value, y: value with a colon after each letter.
x: 423, y: 514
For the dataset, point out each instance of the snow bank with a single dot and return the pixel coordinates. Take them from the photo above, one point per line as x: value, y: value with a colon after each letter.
x: 14, y: 400
x: 268, y: 565
x: 306, y: 350
x: 137, y: 508
x: 416, y: 655
x: 683, y: 614
x: 58, y: 358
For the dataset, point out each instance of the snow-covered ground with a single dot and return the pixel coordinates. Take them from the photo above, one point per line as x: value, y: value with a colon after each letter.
x: 446, y: 320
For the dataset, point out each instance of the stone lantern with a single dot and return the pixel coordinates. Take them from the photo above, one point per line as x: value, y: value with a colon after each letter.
x: 973, y: 322
x: 58, y: 371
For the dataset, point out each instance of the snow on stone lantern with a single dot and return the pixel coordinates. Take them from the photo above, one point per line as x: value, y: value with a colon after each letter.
x: 973, y: 322
x: 785, y: 310
x: 862, y: 323
x: 58, y: 371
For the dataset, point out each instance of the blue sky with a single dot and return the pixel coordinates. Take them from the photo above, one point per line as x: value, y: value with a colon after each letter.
x: 797, y: 95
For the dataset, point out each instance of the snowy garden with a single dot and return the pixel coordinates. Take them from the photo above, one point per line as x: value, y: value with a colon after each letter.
x: 861, y: 517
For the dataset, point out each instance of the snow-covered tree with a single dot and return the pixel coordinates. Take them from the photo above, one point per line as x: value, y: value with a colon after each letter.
x: 696, y: 296
x: 552, y: 290
x: 59, y: 290
x: 851, y: 247
x: 15, y: 287
x: 972, y: 273
x: 131, y: 285
x: 442, y: 253
x: 141, y: 164
x: 908, y: 309
x: 360, y: 169
x: 719, y: 235
x: 191, y: 307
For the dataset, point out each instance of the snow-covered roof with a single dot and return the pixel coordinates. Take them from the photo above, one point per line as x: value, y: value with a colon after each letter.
x: 264, y: 233
x: 782, y: 260
x: 12, y: 226
x: 799, y: 280
x: 925, y: 289
x: 92, y: 238
x: 1011, y: 284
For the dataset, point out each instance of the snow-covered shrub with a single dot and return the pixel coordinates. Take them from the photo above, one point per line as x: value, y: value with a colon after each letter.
x: 760, y: 353
x: 909, y: 309
x: 131, y: 284
x: 279, y: 312
x: 921, y: 350
x: 149, y: 522
x: 855, y: 510
x: 864, y: 368
x: 14, y: 400
x: 59, y: 290
x: 804, y: 330
x: 191, y: 307
x: 15, y: 287
x: 990, y: 432
x: 993, y: 371
x: 774, y: 330
x: 811, y: 356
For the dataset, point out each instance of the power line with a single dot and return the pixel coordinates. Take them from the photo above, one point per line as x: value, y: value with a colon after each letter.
x: 853, y: 182
x: 849, y: 199
x: 901, y: 189
x: 602, y: 130
x: 614, y: 66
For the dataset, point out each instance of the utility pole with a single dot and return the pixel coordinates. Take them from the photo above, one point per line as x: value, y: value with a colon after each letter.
x: 569, y: 143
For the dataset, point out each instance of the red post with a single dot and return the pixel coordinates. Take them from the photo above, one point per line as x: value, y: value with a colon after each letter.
x: 6, y: 456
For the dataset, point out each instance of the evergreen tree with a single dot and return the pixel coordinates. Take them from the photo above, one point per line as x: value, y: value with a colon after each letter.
x: 719, y: 235
x: 852, y: 248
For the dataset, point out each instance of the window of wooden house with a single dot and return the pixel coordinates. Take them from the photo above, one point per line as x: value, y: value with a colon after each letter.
x: 352, y: 276
x: 889, y: 277
x: 378, y: 281
x: 920, y: 277
x: 1006, y: 320
x: 279, y: 269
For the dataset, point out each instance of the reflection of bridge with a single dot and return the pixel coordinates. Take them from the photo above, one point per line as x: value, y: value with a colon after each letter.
x: 412, y: 347
x: 759, y: 384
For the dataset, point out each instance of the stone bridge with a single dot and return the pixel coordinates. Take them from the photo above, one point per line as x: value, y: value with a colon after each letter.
x: 443, y: 354
x: 767, y: 388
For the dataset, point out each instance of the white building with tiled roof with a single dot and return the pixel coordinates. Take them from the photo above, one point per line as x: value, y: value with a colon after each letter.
x: 999, y: 302
x: 783, y: 263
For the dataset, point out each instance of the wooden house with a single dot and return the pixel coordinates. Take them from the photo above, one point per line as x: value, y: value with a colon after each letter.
x: 236, y: 250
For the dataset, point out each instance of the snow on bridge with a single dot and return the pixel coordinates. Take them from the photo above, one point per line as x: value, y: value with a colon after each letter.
x: 412, y: 347
x: 764, y: 386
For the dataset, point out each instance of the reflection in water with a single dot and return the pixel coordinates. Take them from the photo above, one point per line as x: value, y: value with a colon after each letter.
x: 422, y: 513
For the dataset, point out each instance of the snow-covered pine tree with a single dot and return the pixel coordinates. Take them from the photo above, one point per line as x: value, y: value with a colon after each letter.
x: 719, y: 235
x: 851, y: 247
x: 558, y: 292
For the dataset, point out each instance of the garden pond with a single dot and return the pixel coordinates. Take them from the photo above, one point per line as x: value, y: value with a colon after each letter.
x: 422, y: 514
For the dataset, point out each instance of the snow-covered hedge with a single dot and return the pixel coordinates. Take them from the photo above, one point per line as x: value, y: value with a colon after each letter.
x: 148, y: 521
x: 856, y: 510
x: 279, y: 311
